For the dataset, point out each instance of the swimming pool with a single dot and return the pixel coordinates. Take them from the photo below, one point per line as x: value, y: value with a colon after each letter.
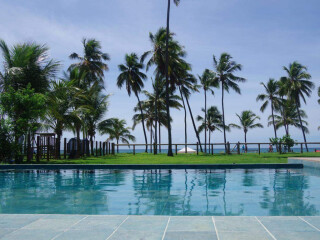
x: 230, y: 192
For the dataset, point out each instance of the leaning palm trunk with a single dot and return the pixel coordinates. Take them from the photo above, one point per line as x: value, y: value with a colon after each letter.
x: 303, y: 133
x: 274, y: 125
x: 142, y: 121
x: 194, y: 125
x: 224, y: 125
x: 185, y: 121
x: 167, y: 84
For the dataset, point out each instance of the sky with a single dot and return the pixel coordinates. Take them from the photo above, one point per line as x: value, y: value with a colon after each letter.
x: 262, y: 35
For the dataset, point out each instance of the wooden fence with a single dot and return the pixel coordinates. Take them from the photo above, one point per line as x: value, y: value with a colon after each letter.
x: 49, y: 150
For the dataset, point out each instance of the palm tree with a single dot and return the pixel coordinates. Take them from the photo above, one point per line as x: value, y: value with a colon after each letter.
x: 212, y: 121
x: 133, y: 78
x: 319, y: 95
x: 207, y: 81
x: 270, y: 96
x: 93, y: 61
x: 116, y: 129
x: 225, y: 69
x: 156, y: 102
x: 163, y: 43
x: 97, y: 105
x: 25, y: 64
x: 167, y: 76
x: 58, y: 115
x: 247, y: 121
x: 298, y: 85
x: 292, y: 117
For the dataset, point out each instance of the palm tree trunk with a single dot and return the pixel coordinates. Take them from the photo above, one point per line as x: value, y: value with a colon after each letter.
x: 151, y: 137
x: 185, y: 121
x: 78, y: 142
x: 117, y: 146
x: 155, y: 150
x: 167, y: 84
x: 91, y: 142
x: 58, y: 146
x: 209, y: 141
x: 144, y: 129
x: 245, y: 141
x: 224, y: 125
x: 205, y: 121
x: 274, y: 125
x: 303, y: 133
x: 159, y: 137
x: 194, y: 125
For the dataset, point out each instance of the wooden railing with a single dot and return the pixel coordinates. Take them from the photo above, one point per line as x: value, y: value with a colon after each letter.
x: 210, y: 147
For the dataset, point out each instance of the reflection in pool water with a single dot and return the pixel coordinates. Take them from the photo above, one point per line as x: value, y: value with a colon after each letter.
x: 162, y: 192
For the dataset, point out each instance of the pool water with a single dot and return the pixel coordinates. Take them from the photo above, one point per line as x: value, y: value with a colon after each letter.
x: 249, y: 192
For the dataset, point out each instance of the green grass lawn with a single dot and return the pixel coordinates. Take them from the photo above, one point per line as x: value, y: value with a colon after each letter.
x: 145, y: 158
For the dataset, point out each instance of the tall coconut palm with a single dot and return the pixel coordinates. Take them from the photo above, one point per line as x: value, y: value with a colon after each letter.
x: 27, y: 63
x: 225, y: 69
x: 298, y: 86
x: 58, y: 116
x: 93, y: 61
x: 208, y: 81
x: 247, y: 121
x: 163, y: 43
x: 117, y: 130
x: 212, y: 122
x: 270, y: 96
x: 132, y: 77
x: 319, y: 95
x: 167, y: 76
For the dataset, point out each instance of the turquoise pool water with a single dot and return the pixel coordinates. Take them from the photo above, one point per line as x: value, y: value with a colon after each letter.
x: 162, y: 192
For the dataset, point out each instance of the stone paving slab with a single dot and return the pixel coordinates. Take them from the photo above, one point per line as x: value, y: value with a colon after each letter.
x: 78, y: 227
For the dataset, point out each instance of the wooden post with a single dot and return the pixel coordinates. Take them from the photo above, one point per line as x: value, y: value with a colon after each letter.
x: 65, y: 148
x: 134, y: 149
x: 113, y: 150
x: 211, y: 149
x: 103, y: 145
x: 301, y: 148
x: 259, y: 147
x: 197, y: 148
x: 100, y: 149
x: 38, y: 148
x: 176, y: 149
x: 48, y: 146
x: 96, y: 148
x: 238, y: 147
x: 109, y: 144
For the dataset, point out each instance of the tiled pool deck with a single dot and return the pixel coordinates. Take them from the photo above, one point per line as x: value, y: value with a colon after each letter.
x: 21, y: 226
